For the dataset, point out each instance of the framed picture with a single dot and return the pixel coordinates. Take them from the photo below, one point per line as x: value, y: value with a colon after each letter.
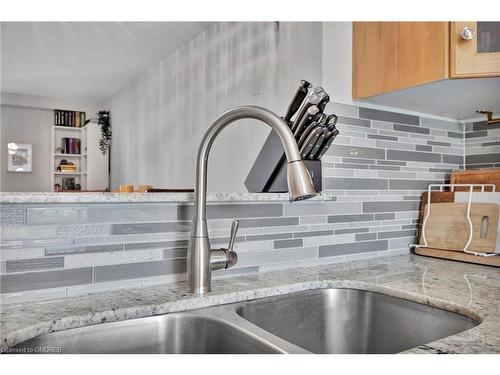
x: 19, y: 158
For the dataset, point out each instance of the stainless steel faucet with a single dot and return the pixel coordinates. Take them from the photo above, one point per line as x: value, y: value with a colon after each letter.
x: 201, y: 259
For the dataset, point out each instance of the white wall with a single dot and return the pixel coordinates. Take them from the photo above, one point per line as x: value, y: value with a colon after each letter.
x: 337, y: 61
x: 159, y: 119
x: 23, y: 125
x: 28, y: 119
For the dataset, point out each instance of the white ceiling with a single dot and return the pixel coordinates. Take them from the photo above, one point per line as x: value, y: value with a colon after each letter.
x: 86, y: 61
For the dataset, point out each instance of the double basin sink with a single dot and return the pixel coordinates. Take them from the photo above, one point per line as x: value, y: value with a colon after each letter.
x: 313, y: 321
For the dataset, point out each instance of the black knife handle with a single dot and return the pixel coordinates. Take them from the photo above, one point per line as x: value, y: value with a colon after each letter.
x: 331, y: 121
x: 310, y: 142
x: 323, y: 103
x: 319, y: 142
x: 298, y: 98
x: 325, y: 100
x: 327, y: 144
x: 320, y: 118
x: 304, y: 122
x: 314, y: 98
x: 306, y: 133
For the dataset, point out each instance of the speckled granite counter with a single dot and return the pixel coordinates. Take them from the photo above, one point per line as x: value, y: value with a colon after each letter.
x: 467, y: 289
x: 13, y: 198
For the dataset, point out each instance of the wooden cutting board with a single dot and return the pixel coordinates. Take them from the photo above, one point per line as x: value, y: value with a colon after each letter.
x: 447, y: 227
x: 480, y: 176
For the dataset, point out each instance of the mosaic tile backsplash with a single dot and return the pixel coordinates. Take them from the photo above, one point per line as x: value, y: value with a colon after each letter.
x: 377, y: 169
x: 482, y: 145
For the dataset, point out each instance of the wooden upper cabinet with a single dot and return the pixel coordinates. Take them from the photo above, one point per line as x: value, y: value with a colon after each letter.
x: 475, y: 49
x: 390, y: 56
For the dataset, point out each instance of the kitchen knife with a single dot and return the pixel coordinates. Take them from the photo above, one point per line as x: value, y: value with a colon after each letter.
x: 310, y: 141
x: 326, y: 145
x: 306, y: 133
x: 305, y: 121
x: 331, y: 121
x: 299, y: 97
x: 319, y: 142
x: 320, y: 118
x: 324, y: 100
x: 312, y: 99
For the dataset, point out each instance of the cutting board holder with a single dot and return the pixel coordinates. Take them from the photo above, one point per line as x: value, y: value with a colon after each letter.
x: 269, y: 171
x: 492, y: 259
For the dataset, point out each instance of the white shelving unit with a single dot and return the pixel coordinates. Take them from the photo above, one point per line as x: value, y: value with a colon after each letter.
x: 91, y: 165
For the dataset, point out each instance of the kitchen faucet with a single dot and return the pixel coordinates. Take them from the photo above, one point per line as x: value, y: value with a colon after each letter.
x: 201, y: 259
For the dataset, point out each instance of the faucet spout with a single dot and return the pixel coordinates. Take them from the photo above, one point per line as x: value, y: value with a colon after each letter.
x: 199, y: 265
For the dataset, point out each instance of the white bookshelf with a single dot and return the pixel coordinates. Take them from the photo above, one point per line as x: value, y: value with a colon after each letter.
x: 68, y: 128
x: 91, y: 165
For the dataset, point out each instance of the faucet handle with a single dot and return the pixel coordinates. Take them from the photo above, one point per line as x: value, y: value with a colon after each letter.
x: 232, y: 236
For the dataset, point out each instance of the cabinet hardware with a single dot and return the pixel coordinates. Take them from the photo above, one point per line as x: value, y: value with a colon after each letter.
x: 489, y: 117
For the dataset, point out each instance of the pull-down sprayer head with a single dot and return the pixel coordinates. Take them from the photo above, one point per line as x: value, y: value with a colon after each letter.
x: 299, y: 182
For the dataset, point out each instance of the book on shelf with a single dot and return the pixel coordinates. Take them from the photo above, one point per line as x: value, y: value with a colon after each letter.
x: 70, y: 145
x: 74, y: 119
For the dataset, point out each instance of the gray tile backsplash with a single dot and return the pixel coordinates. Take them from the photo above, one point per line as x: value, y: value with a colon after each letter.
x: 352, y: 248
x: 411, y: 129
x: 181, y: 226
x: 375, y: 114
x: 228, y: 211
x: 426, y: 157
x: 37, y: 264
x: 377, y: 169
x: 82, y: 249
x: 19, y: 282
x: 138, y: 270
x: 11, y: 216
x: 283, y: 244
x: 482, y: 145
x: 388, y: 206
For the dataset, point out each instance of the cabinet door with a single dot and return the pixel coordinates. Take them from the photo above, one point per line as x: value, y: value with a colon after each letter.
x: 389, y: 56
x: 475, y: 49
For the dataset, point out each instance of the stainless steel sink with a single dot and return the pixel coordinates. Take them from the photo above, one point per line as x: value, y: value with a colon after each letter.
x: 317, y: 321
x: 173, y: 333
x: 352, y: 321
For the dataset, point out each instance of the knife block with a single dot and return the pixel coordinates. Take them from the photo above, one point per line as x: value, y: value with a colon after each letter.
x: 280, y: 184
x: 269, y: 172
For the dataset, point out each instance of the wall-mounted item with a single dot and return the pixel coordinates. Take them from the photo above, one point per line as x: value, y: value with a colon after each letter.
x: 19, y: 158
x: 489, y: 117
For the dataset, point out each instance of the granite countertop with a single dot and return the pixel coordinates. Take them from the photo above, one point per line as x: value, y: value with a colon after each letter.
x: 467, y: 289
x: 49, y: 198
